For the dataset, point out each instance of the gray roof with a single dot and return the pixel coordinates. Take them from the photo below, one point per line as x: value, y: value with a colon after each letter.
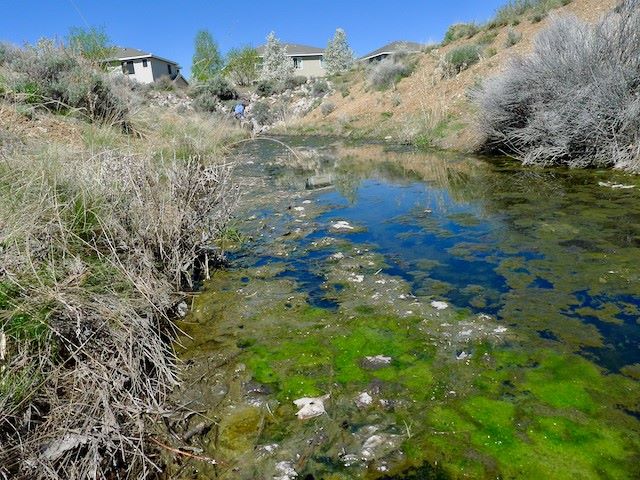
x: 394, y: 47
x: 294, y: 49
x: 120, y: 53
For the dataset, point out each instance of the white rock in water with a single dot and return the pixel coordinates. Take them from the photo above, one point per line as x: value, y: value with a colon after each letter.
x: 462, y: 355
x: 285, y: 471
x: 379, y: 360
x: 356, y: 278
x: 342, y: 225
x: 337, y: 256
x: 299, y: 209
x: 310, y: 407
x: 182, y: 309
x: 363, y: 400
x: 500, y: 330
x: 439, y: 305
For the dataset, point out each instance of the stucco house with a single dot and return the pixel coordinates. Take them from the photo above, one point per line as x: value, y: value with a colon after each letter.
x: 307, y: 61
x: 143, y: 67
x: 390, y: 49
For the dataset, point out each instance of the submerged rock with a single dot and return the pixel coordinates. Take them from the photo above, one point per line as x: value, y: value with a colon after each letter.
x: 310, y: 407
x: 379, y: 445
x: 285, y: 471
x: 364, y: 400
x: 319, y: 181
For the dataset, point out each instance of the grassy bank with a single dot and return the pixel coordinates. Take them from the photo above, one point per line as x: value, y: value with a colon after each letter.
x: 109, y: 207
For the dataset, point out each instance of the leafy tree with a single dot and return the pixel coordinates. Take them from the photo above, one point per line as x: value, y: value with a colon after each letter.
x: 338, y: 56
x: 242, y: 65
x: 276, y: 65
x: 92, y: 43
x: 207, y: 61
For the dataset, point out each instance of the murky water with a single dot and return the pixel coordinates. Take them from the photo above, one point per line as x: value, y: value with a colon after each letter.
x: 531, y: 371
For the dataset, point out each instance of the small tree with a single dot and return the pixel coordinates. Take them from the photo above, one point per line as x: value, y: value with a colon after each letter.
x: 275, y: 63
x: 338, y: 57
x: 207, y: 61
x: 242, y: 65
x: 92, y: 43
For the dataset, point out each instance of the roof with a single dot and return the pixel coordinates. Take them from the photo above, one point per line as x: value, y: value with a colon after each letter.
x: 295, y: 50
x: 392, y: 48
x: 126, y: 53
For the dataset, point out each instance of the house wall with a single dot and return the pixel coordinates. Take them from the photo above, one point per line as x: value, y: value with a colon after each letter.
x: 311, y: 66
x: 154, y: 70
x: 160, y: 69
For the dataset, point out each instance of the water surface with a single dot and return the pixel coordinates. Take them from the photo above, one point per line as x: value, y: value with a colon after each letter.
x: 530, y: 372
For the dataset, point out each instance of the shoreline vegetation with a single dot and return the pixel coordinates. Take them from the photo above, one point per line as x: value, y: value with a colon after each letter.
x: 106, y: 217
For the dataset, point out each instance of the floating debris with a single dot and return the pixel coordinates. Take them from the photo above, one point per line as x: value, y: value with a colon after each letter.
x: 375, y: 362
x: 342, y: 225
x: 310, y: 407
x: 439, y: 305
x: 616, y: 185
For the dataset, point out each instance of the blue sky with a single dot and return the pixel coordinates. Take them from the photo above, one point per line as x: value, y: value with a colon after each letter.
x: 167, y: 28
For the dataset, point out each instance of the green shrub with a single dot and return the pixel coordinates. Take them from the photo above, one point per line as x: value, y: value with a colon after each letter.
x: 207, y: 96
x: 460, y: 58
x: 460, y: 30
x: 512, y: 12
x: 261, y: 111
x: 487, y: 38
x: 390, y: 70
x: 326, y: 108
x: 266, y: 88
x: 513, y: 37
x: 320, y: 87
x: 294, y: 82
x: 218, y: 87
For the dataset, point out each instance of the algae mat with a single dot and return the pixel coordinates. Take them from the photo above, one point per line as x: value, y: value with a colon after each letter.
x: 452, y: 318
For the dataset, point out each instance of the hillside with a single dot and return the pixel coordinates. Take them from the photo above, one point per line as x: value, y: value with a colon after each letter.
x: 426, y: 107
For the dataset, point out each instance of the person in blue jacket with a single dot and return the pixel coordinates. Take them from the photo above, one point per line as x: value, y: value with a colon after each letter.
x: 238, y: 111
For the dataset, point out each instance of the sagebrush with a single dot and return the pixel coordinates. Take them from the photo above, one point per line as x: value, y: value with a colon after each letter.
x: 575, y: 100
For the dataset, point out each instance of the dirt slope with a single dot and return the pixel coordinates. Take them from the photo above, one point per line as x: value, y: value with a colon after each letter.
x: 425, y: 101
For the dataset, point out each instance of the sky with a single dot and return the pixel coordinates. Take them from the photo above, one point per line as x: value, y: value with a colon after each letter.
x: 167, y: 28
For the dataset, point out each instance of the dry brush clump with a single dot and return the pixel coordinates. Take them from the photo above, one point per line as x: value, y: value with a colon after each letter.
x: 57, y: 79
x: 93, y: 248
x: 575, y: 100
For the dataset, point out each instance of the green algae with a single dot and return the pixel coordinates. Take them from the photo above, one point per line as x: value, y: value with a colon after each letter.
x: 478, y: 404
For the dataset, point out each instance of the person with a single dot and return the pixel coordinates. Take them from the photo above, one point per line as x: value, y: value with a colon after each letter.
x: 238, y: 111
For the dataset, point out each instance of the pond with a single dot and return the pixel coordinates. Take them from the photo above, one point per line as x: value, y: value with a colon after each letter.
x: 448, y: 316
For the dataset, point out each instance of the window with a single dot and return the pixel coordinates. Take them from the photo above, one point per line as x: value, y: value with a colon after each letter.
x: 297, y: 63
x: 144, y: 62
x: 169, y: 68
x: 127, y: 68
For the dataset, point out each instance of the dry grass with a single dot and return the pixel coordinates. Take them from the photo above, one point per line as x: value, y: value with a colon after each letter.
x: 98, y: 237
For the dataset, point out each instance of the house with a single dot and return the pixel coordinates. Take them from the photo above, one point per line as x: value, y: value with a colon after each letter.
x: 143, y: 67
x: 307, y: 61
x: 390, y: 49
